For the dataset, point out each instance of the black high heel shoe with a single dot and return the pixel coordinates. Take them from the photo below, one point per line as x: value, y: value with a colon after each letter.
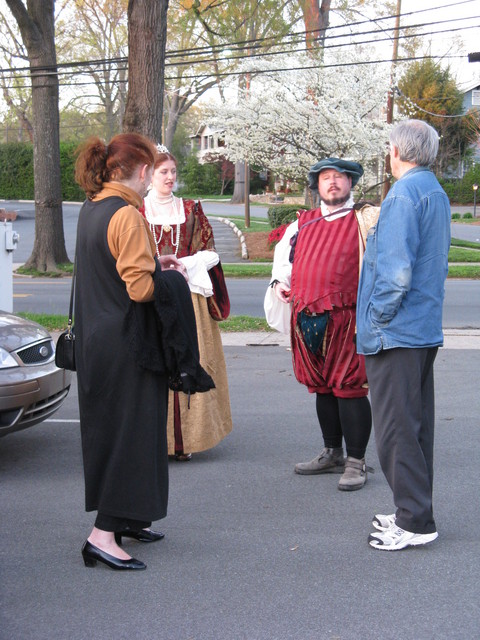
x: 143, y: 535
x: 183, y: 457
x: 92, y: 554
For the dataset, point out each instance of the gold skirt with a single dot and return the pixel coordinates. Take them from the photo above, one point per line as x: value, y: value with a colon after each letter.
x: 209, y: 418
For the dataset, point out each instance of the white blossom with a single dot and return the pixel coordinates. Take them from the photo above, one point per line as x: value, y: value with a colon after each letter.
x: 289, y: 120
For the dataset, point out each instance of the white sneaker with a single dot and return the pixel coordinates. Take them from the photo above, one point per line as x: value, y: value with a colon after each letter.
x: 381, y: 522
x: 395, y: 538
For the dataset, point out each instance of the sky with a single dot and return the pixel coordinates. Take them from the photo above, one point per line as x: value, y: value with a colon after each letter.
x: 462, y: 18
x: 460, y: 15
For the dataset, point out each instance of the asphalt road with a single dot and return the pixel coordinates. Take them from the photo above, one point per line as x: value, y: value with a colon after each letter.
x: 47, y: 295
x: 252, y: 550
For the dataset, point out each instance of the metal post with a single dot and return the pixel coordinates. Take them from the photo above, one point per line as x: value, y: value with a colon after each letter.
x: 247, y: 195
x: 8, y: 243
x: 475, y: 187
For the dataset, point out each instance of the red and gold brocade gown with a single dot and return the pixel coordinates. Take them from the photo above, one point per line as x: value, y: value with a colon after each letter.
x: 209, y: 418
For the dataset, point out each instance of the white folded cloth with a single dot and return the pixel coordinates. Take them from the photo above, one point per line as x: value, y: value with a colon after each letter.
x: 197, y: 268
x: 277, y: 313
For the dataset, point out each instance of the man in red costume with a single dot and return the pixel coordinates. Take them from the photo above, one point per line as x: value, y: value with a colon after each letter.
x: 316, y: 271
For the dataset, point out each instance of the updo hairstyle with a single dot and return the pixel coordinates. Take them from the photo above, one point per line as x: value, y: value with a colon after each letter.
x: 163, y: 156
x: 98, y: 162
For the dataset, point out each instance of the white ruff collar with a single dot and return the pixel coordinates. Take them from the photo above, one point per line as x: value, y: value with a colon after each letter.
x: 159, y: 212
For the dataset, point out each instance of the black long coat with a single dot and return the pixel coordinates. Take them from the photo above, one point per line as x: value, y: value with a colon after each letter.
x: 123, y: 407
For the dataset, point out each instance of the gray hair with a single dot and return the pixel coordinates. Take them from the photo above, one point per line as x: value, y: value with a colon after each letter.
x: 416, y: 141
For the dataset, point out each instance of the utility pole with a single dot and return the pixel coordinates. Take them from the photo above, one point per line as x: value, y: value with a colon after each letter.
x: 247, y: 195
x: 390, y: 99
x: 247, y: 167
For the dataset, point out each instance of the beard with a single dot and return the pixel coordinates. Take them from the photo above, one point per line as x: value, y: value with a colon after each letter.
x: 332, y: 202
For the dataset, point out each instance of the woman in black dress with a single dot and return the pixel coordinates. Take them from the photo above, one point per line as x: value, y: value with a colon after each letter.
x: 123, y: 406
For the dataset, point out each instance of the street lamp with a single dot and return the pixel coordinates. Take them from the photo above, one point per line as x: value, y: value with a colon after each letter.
x: 475, y: 187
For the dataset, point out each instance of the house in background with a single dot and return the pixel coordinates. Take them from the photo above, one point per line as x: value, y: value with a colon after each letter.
x: 207, y: 141
x: 471, y: 100
x: 471, y: 96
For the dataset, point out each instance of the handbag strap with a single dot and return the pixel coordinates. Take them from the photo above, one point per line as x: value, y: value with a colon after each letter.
x: 72, y: 296
x: 322, y: 217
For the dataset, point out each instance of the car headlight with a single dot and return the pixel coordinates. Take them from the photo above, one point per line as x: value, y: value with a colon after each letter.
x: 6, y: 360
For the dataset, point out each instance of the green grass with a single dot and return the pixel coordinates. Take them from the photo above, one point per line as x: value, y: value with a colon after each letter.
x: 196, y: 196
x: 465, y: 243
x: 459, y: 254
x: 63, y: 269
x: 244, y: 323
x: 256, y: 224
x: 461, y: 251
x: 464, y: 220
x: 50, y: 322
x: 233, y: 324
x: 471, y: 271
x: 247, y: 270
x: 265, y: 270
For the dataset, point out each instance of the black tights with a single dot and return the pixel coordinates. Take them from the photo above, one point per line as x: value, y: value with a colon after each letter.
x: 350, y: 418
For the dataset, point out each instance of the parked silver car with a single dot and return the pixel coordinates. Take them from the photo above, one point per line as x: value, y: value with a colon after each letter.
x: 32, y: 388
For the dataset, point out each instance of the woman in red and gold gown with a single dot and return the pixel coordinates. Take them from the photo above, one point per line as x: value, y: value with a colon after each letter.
x: 181, y: 228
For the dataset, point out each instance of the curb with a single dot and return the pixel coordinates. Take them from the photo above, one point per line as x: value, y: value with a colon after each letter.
x: 454, y: 339
x: 237, y: 232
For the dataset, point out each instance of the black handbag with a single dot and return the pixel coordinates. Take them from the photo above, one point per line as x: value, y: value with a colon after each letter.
x: 65, y: 350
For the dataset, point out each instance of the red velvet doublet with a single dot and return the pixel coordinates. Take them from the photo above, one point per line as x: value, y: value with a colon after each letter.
x: 325, y: 278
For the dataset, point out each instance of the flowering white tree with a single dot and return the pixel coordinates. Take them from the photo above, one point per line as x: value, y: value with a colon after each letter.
x: 291, y: 119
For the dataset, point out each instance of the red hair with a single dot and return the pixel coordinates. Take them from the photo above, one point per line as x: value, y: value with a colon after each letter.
x: 163, y: 156
x: 98, y: 162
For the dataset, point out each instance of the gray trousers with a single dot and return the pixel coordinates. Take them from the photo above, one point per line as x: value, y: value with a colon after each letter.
x: 402, y: 395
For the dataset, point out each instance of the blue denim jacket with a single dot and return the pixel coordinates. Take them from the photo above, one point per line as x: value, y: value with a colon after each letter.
x: 402, y: 282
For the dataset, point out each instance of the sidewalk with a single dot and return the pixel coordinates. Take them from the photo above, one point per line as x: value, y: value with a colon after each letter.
x: 454, y: 339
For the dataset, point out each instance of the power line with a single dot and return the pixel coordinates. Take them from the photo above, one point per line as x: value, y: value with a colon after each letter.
x: 277, y: 70
x: 331, y: 28
x: 322, y: 48
x: 300, y: 38
x: 235, y: 58
x: 255, y: 42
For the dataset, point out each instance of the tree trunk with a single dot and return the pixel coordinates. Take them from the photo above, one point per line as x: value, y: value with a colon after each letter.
x: 37, y: 26
x: 315, y: 17
x: 110, y: 117
x: 238, y: 196
x: 147, y: 37
x: 174, y: 113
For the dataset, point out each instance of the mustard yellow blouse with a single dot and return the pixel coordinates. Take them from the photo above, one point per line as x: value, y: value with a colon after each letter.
x: 130, y: 242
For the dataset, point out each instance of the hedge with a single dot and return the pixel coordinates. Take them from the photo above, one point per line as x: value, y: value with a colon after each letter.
x: 461, y: 191
x: 283, y: 213
x: 16, y: 172
x: 16, y: 180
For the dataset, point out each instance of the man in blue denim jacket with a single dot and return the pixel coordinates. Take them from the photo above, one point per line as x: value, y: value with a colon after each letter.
x: 399, y: 330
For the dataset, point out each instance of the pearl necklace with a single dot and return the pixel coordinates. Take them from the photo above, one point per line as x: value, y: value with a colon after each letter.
x: 163, y: 201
